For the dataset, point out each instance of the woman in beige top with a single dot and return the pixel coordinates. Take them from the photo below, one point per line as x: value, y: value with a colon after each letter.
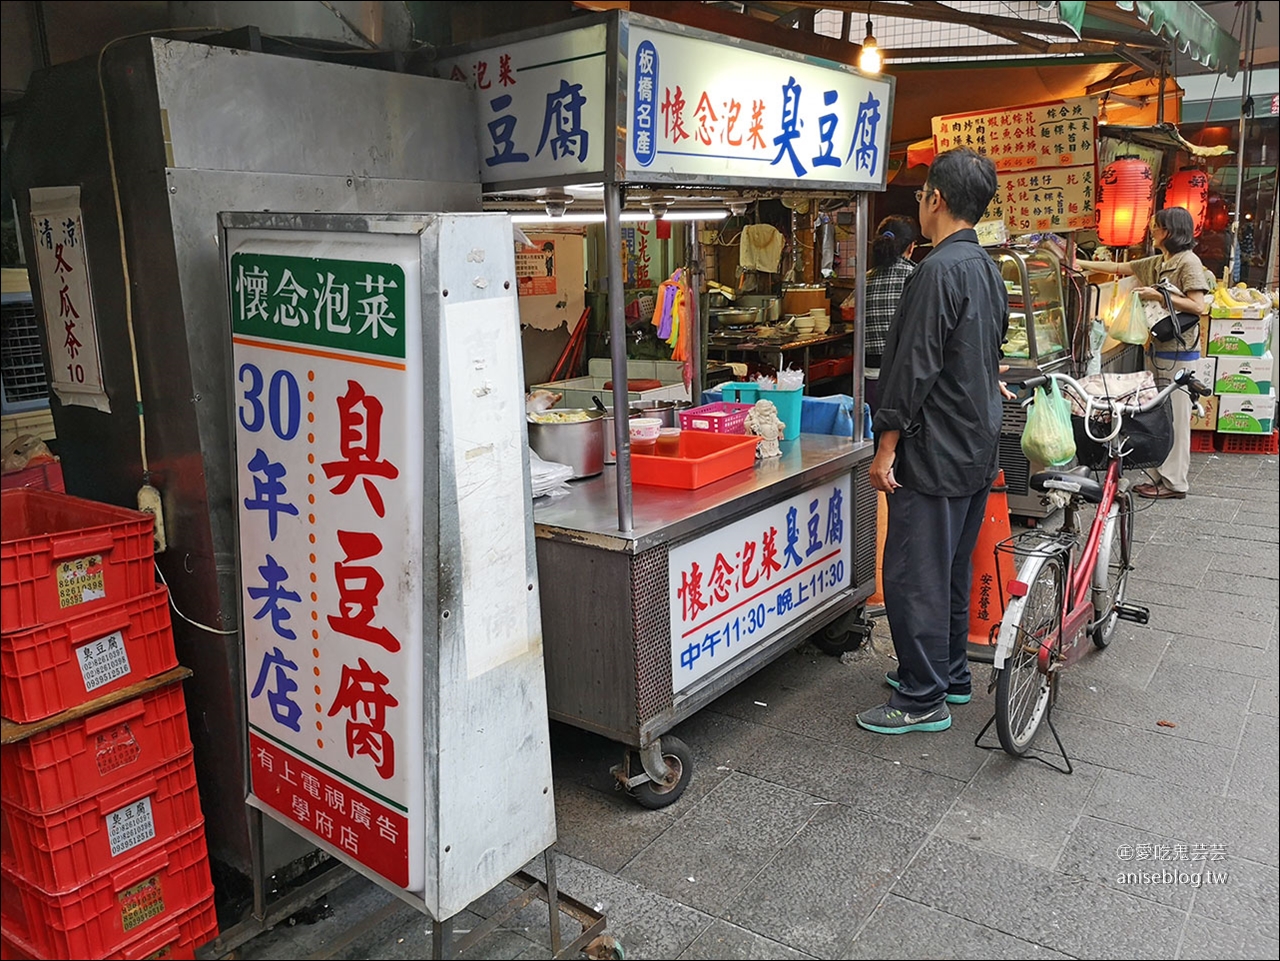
x: 1173, y: 233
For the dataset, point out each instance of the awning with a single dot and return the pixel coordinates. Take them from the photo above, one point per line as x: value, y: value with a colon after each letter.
x: 1163, y: 136
x: 1186, y: 25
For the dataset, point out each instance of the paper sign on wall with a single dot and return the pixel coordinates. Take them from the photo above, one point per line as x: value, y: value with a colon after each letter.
x: 75, y: 365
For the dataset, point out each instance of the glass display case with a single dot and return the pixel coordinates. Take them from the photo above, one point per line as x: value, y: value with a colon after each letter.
x: 1038, y: 329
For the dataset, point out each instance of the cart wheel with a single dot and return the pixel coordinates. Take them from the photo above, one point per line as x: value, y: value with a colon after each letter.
x: 653, y: 795
x: 840, y: 637
x: 603, y: 948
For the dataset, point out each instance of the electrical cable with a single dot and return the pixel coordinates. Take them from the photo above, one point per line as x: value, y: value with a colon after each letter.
x: 173, y: 604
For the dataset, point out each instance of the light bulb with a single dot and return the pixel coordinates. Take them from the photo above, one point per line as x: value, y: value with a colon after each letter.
x: 870, y: 61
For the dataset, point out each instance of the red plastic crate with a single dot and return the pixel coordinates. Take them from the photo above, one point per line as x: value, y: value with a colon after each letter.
x: 821, y: 369
x: 722, y: 417
x: 1202, y: 442
x: 48, y: 771
x: 703, y: 458
x: 48, y: 669
x: 47, y: 476
x: 1250, y: 443
x: 62, y: 556
x: 176, y: 941
x: 62, y: 850
x: 115, y: 911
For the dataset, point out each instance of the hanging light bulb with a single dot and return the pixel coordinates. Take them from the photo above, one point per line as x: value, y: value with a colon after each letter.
x: 1102, y: 114
x: 869, y: 61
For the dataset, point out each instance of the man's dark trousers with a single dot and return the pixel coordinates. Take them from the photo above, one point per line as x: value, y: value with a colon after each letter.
x: 927, y: 572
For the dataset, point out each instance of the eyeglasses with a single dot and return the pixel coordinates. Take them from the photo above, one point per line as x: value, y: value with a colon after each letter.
x: 921, y: 194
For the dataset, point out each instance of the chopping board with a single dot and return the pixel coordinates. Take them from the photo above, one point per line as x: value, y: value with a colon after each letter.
x: 637, y: 386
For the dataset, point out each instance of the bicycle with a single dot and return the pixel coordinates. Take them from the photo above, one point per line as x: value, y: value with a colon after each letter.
x: 1062, y: 592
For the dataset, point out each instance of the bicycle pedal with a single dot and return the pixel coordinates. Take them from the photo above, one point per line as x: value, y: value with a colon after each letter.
x: 1134, y: 613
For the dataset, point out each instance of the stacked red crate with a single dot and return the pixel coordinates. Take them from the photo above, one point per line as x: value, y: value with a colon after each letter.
x: 102, y: 849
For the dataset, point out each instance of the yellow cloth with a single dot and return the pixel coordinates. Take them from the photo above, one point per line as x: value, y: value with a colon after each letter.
x: 760, y: 248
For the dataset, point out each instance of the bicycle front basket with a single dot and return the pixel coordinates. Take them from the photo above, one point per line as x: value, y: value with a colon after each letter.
x: 1148, y: 438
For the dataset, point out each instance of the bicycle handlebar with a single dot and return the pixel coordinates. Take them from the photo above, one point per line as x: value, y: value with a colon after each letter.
x: 1184, y: 378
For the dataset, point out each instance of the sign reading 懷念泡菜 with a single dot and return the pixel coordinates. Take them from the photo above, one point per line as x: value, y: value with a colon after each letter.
x: 696, y: 108
x: 327, y: 375
x: 732, y: 589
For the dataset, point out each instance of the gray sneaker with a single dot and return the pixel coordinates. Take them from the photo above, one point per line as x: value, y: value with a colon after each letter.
x: 892, y: 680
x: 889, y: 720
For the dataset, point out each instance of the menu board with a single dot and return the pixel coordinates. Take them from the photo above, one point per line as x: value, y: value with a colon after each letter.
x: 1061, y: 134
x: 1041, y: 199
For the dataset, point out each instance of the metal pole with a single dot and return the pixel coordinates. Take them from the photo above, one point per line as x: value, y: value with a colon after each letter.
x: 695, y: 311
x: 860, y: 314
x: 618, y: 350
x: 1244, y: 105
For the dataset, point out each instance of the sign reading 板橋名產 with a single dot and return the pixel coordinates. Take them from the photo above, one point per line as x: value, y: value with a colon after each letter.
x: 696, y: 109
x: 732, y: 589
x: 327, y: 369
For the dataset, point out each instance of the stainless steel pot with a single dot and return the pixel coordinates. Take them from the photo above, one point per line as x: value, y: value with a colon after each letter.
x: 666, y: 411
x: 580, y: 445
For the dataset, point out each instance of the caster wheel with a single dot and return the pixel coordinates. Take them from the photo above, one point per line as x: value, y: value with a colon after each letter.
x: 653, y: 795
x: 842, y: 636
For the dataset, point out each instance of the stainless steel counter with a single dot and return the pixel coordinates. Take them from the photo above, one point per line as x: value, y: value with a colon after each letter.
x: 589, y: 515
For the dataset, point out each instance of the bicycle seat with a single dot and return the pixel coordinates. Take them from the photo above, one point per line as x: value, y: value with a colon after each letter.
x: 1075, y: 481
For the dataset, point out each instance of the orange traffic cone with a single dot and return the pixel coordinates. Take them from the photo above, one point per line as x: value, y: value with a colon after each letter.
x: 882, y: 528
x: 984, y: 595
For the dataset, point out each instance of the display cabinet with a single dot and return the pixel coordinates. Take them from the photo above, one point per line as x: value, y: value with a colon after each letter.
x: 1038, y: 330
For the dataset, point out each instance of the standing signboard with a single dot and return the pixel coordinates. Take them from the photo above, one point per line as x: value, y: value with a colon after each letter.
x: 381, y: 498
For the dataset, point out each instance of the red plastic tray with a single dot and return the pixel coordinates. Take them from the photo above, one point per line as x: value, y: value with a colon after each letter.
x: 62, y: 556
x: 722, y: 417
x: 702, y: 459
x: 50, y: 668
x: 176, y: 941
x: 60, y: 851
x: 48, y: 771
x: 47, y: 476
x: 1202, y: 442
x: 120, y: 910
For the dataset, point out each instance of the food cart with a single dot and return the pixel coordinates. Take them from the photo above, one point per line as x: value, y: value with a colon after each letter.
x: 658, y: 599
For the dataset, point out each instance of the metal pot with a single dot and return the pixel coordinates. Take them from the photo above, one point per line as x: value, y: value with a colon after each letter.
x: 666, y: 411
x: 580, y: 445
x: 738, y: 317
x: 607, y: 440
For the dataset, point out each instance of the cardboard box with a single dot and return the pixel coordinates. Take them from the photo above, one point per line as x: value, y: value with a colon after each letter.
x: 1210, y: 419
x: 1205, y: 369
x: 1246, y: 413
x: 1252, y: 311
x: 1243, y: 375
x: 1240, y: 337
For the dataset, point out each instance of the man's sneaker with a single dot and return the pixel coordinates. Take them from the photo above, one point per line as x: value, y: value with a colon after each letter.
x: 889, y: 720
x: 892, y: 680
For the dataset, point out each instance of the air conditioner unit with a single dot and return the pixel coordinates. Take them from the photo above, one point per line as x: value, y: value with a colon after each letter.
x: 23, y: 385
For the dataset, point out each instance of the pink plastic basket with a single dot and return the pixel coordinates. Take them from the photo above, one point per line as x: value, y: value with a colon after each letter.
x: 718, y: 418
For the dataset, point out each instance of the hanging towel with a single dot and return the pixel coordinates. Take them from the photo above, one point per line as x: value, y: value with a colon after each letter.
x: 760, y: 248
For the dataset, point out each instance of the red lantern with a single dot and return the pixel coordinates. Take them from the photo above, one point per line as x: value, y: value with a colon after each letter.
x: 1189, y: 189
x: 1219, y: 215
x: 1124, y: 202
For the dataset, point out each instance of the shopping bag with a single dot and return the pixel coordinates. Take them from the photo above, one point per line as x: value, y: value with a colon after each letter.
x: 1048, y: 437
x: 1130, y: 323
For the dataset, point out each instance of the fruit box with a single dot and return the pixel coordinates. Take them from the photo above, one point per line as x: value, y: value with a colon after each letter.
x: 1246, y: 413
x: 1241, y: 337
x: 1243, y: 375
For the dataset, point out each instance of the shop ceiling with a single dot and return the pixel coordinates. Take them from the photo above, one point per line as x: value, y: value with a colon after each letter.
x: 952, y: 57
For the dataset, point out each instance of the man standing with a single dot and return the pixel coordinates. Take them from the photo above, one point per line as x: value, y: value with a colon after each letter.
x: 937, y: 430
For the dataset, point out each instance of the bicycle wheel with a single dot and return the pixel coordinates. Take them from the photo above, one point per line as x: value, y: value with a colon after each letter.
x: 1111, y: 576
x: 1022, y: 689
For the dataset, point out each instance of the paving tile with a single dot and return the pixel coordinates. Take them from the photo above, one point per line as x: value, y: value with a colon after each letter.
x: 1235, y: 563
x: 1224, y: 657
x: 821, y: 886
x: 604, y: 829
x: 722, y: 842
x: 1019, y: 809
x: 1119, y: 857
x: 1155, y: 562
x: 1196, y: 622
x: 1138, y: 751
x: 1266, y: 697
x: 1246, y: 826
x: 1081, y: 919
x: 1202, y: 703
x: 1244, y: 896
x: 725, y: 940
x: 901, y: 792
x: 648, y: 924
x: 902, y: 929
x: 1255, y: 775
x: 1186, y: 530
x: 1129, y: 660
x: 1206, y: 939
x: 1257, y: 604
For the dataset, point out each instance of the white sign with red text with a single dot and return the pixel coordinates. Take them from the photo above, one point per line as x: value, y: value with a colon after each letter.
x: 733, y: 589
x: 328, y: 395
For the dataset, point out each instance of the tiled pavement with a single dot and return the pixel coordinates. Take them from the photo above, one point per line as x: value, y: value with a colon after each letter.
x: 803, y: 836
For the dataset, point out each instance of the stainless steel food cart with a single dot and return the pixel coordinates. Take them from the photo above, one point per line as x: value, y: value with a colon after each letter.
x: 783, y: 550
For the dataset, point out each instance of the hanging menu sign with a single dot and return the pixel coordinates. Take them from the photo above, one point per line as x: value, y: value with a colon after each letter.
x: 1060, y: 134
x: 1042, y: 199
